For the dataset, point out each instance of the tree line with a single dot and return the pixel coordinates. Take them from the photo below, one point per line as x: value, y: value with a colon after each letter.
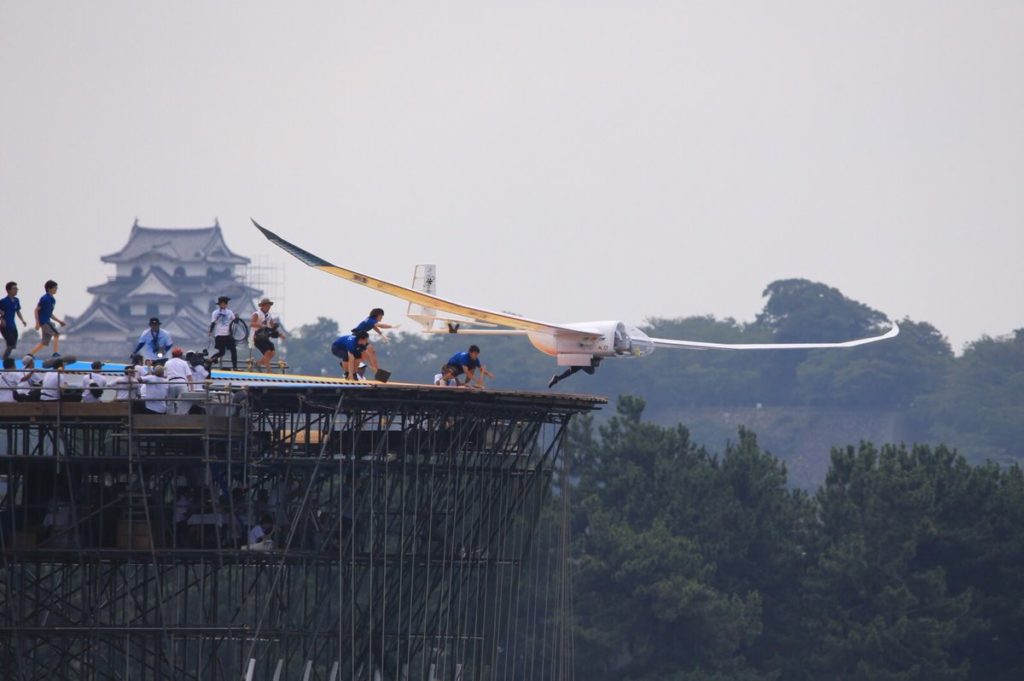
x: 973, y: 401
x: 908, y: 562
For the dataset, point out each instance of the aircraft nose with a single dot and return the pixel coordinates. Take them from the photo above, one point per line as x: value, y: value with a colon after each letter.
x: 640, y: 344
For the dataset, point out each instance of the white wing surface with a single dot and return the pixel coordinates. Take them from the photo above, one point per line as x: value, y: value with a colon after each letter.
x: 425, y: 299
x: 701, y: 345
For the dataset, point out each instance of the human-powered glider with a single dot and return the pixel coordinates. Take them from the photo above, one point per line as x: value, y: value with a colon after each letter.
x: 579, y: 346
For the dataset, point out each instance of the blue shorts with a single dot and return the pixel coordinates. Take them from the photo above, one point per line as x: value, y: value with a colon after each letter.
x: 342, y: 353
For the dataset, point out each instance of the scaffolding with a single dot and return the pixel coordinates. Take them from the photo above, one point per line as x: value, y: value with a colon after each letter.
x: 397, y: 523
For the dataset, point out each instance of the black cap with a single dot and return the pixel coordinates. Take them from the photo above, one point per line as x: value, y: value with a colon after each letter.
x: 154, y: 320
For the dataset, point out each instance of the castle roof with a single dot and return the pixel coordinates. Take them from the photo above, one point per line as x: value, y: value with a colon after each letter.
x: 99, y: 317
x: 203, y: 244
x: 156, y: 285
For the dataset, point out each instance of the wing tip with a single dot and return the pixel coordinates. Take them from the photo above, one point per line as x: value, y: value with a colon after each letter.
x: 300, y: 253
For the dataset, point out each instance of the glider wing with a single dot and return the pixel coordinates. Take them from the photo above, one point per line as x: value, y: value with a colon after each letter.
x: 424, y: 299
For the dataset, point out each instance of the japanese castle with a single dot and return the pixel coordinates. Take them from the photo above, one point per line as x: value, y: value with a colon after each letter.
x: 170, y: 273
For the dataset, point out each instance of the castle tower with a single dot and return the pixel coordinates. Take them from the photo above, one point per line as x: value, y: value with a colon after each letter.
x: 171, y: 273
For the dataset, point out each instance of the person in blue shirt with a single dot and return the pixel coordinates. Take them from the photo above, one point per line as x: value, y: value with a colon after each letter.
x: 45, y: 320
x: 467, y: 363
x: 373, y: 323
x: 349, y: 349
x: 154, y: 342
x: 10, y: 307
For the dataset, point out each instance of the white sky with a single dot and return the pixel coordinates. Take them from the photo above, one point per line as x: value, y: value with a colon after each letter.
x: 563, y: 160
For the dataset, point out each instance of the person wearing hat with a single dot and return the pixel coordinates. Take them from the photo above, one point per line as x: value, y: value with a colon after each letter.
x: 265, y: 327
x: 154, y: 342
x: 220, y: 330
x: 178, y: 373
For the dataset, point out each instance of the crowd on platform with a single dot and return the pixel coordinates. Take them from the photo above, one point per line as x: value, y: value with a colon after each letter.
x: 159, y: 373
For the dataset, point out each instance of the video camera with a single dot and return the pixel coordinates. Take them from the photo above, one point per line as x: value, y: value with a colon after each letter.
x: 197, y: 358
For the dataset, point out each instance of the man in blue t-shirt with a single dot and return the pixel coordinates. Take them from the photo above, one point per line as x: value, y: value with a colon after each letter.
x: 349, y: 349
x: 154, y: 342
x: 10, y: 307
x: 45, y: 320
x: 467, y: 363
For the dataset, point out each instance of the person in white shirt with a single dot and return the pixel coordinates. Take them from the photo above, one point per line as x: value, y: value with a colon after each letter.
x: 220, y: 329
x: 30, y: 381
x: 9, y: 380
x: 200, y: 374
x: 178, y: 374
x: 54, y: 381
x: 261, y: 532
x: 265, y: 327
x: 93, y: 384
x: 156, y: 391
x: 141, y: 365
x: 127, y: 386
x: 446, y: 377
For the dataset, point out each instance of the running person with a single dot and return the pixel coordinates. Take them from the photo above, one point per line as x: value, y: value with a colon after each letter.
x: 220, y: 329
x: 349, y: 349
x: 467, y: 363
x: 265, y: 327
x: 10, y: 307
x: 45, y: 320
x: 373, y: 323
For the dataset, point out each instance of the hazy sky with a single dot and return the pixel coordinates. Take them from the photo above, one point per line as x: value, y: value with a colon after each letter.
x: 563, y: 160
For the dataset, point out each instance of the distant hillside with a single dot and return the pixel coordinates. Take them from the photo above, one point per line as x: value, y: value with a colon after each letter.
x: 801, y: 437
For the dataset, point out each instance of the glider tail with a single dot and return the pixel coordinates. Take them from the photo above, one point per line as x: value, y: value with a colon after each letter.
x: 423, y: 279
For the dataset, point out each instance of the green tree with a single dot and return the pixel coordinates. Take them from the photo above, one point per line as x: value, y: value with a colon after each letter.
x: 873, y: 611
x: 682, y: 557
x: 798, y: 310
x: 308, y: 348
x: 980, y: 407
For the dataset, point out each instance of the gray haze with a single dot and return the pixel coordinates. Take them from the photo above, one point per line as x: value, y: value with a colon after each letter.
x: 564, y: 160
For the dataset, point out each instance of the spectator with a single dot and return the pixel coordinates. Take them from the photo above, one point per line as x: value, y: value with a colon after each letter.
x: 156, y: 387
x: 261, y: 532
x: 93, y: 384
x: 31, y: 383
x: 128, y: 386
x: 178, y: 374
x: 9, y: 380
x: 54, y: 382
